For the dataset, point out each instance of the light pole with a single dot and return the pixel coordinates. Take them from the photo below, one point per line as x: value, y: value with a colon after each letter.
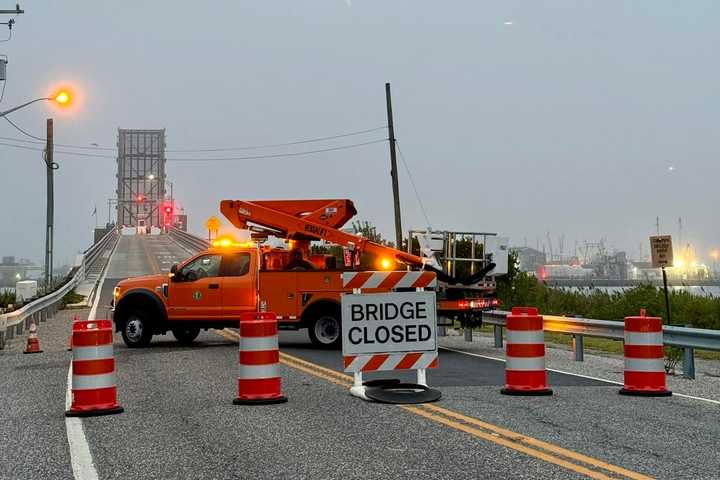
x: 62, y: 98
x: 50, y: 167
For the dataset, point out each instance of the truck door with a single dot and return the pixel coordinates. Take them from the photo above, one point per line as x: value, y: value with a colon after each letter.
x: 196, y: 293
x: 239, y: 284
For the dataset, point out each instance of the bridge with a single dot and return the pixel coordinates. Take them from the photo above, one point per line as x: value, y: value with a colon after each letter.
x: 179, y: 420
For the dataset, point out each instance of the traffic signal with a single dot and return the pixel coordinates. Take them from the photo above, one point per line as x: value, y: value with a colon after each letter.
x: 168, y: 209
x: 140, y: 198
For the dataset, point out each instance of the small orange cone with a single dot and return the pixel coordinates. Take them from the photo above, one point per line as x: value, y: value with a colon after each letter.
x: 33, y: 342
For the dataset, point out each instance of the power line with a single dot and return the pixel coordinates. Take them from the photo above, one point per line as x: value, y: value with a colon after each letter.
x: 198, y: 150
x: 22, y: 131
x: 221, y: 159
x: 276, y: 155
x: 64, y: 145
x: 412, y: 182
x: 273, y: 145
x: 78, y: 154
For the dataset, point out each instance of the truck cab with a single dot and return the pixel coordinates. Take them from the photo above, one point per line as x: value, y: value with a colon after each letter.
x: 208, y: 290
x: 213, y: 288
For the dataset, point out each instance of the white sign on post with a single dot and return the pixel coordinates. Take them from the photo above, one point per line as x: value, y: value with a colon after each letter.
x: 496, y: 250
x: 661, y: 251
x: 389, y: 331
x: 389, y: 323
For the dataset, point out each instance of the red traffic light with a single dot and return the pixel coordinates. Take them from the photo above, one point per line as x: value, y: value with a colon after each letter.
x: 140, y: 198
x: 168, y: 209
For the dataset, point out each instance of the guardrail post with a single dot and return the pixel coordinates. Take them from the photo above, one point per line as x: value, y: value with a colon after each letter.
x: 689, y: 363
x: 497, y: 330
x: 579, y: 347
x: 441, y: 328
x: 468, y: 333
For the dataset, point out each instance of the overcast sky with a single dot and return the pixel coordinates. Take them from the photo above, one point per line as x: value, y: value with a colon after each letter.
x: 582, y: 118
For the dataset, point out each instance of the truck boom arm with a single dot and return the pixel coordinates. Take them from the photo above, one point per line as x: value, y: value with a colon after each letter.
x: 309, y: 220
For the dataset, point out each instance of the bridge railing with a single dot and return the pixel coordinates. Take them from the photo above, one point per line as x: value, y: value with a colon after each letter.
x: 188, y: 240
x: 45, y: 307
x: 686, y: 338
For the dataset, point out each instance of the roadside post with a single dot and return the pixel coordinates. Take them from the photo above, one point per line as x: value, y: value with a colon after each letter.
x: 390, y: 331
x: 662, y: 256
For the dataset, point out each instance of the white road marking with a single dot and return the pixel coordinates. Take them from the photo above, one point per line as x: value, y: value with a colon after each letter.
x: 716, y: 402
x: 80, y: 456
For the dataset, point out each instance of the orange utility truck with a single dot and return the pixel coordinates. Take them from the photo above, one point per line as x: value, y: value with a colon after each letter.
x: 212, y: 288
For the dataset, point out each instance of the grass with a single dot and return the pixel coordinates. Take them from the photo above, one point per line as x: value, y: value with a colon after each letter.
x: 72, y: 297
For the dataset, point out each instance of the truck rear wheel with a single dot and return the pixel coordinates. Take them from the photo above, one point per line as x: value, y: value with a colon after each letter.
x: 137, y: 331
x: 185, y: 335
x: 325, y: 330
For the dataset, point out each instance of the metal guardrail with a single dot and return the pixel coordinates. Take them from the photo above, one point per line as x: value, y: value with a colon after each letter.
x: 686, y: 338
x: 45, y: 307
x: 188, y: 240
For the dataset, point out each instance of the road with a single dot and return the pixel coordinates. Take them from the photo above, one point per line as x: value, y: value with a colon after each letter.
x: 179, y: 421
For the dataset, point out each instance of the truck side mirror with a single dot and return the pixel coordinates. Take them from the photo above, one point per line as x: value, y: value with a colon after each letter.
x: 175, y: 276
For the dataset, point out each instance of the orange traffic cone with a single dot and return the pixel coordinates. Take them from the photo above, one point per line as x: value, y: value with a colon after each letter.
x: 93, y: 370
x: 33, y: 342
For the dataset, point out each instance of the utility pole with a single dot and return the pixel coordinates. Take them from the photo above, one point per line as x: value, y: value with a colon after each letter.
x: 393, y: 169
x: 50, y: 166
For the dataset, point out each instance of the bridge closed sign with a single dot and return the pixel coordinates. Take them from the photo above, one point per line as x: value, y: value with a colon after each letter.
x: 661, y: 251
x: 389, y: 322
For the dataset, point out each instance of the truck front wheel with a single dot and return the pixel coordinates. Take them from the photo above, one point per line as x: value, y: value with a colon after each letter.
x: 325, y: 330
x: 137, y: 331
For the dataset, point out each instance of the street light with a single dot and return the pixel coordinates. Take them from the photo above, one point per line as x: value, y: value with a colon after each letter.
x: 63, y: 98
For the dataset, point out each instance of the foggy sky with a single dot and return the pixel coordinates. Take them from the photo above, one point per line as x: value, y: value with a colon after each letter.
x: 517, y: 117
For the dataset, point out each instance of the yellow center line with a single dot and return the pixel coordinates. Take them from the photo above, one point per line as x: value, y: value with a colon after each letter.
x: 533, y: 447
x: 517, y: 437
x: 506, y: 443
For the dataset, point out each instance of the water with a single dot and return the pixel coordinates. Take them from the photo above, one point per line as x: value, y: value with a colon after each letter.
x: 709, y: 291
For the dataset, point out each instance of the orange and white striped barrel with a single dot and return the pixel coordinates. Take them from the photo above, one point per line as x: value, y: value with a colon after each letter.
x: 525, y: 372
x: 258, y: 375
x: 644, y: 362
x: 93, y: 370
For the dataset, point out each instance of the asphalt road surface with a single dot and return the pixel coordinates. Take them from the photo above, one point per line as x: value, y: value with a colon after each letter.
x: 179, y: 420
